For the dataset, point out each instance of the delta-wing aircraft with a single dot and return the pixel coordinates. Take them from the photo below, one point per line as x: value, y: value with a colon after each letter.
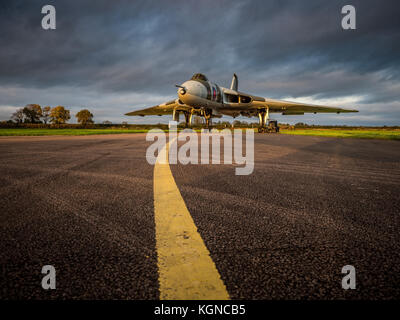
x: 198, y: 96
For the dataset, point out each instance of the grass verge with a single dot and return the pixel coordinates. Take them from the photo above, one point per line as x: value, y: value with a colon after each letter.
x: 64, y: 132
x: 343, y: 133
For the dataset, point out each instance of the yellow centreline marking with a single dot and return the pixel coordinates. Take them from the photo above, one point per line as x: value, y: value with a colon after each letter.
x: 186, y: 270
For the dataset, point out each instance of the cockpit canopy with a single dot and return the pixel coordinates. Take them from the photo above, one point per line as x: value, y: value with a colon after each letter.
x: 199, y: 76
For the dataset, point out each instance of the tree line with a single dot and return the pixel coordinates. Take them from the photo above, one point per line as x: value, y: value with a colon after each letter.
x: 34, y: 113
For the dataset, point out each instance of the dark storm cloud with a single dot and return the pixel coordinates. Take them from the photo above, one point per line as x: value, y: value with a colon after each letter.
x: 278, y: 48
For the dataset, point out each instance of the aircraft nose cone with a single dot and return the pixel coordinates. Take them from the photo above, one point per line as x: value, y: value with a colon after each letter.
x: 192, y: 88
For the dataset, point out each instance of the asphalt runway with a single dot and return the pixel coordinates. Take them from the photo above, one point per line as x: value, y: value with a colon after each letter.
x: 312, y: 205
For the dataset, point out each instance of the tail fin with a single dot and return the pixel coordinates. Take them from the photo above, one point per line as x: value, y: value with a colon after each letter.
x: 234, y: 84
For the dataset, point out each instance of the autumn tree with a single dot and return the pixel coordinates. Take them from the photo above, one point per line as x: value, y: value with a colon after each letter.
x: 46, y: 114
x: 84, y: 117
x: 32, y: 113
x: 18, y: 116
x: 59, y: 115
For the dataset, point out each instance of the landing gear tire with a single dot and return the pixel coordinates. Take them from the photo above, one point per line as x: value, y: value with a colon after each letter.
x: 261, y: 130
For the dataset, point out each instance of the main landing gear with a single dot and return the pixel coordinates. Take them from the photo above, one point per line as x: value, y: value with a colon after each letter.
x: 272, y: 126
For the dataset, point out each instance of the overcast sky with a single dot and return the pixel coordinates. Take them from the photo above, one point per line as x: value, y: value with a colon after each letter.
x: 113, y: 57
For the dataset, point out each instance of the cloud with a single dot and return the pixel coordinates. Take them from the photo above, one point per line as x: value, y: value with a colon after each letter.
x: 117, y: 56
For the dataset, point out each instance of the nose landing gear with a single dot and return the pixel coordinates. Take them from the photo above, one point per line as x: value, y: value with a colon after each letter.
x: 207, y: 114
x: 207, y: 117
x: 188, y: 119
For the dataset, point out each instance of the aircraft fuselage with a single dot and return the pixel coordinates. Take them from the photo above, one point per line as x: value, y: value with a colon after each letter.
x: 201, y: 94
x: 200, y: 97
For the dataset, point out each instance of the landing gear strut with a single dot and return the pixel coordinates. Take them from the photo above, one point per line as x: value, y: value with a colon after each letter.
x: 263, y: 115
x: 175, y: 115
x: 188, y: 119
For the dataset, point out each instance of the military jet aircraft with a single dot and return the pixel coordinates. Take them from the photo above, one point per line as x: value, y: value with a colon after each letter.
x: 198, y: 96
